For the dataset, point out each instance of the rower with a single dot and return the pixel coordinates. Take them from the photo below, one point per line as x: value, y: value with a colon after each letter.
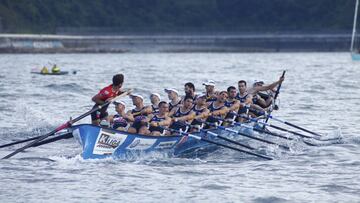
x: 138, y: 115
x: 245, y: 99
x: 55, y: 69
x: 189, y: 89
x: 218, y: 110
x: 119, y: 120
x: 173, y: 95
x: 155, y: 99
x: 183, y: 115
x: 158, y: 122
x: 232, y: 104
x: 211, y: 94
x: 44, y: 70
x: 104, y: 95
x: 263, y: 98
x: 201, y: 112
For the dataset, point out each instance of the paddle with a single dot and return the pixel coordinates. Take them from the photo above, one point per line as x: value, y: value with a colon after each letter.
x: 65, y: 125
x: 219, y: 144
x: 276, y: 93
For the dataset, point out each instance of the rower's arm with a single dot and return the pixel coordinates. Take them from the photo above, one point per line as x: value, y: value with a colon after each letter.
x: 97, y: 99
x: 189, y: 117
x: 268, y: 87
x: 220, y: 112
x: 165, y: 122
x: 172, y: 112
x: 203, y: 115
x: 129, y: 116
x: 235, y: 106
x: 147, y: 110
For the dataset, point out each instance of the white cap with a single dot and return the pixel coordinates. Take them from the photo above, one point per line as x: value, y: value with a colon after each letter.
x: 209, y: 83
x: 119, y: 102
x: 258, y: 81
x: 156, y: 94
x: 201, y: 95
x: 136, y: 95
x: 171, y: 90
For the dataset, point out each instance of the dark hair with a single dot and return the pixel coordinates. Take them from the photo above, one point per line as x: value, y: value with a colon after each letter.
x: 191, y: 85
x: 188, y: 97
x: 242, y: 81
x: 223, y: 92
x: 118, y: 79
x: 162, y: 103
x: 231, y: 88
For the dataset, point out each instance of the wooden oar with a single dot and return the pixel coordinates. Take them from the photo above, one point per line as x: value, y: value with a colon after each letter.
x: 63, y: 126
x: 218, y: 144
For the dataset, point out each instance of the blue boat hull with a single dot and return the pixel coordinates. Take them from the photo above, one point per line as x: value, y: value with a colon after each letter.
x: 100, y: 142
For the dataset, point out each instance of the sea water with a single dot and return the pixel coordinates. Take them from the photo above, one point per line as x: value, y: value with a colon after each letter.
x: 321, y: 92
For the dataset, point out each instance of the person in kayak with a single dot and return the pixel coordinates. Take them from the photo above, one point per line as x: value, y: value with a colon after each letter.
x: 44, y: 70
x: 104, y: 95
x: 55, y: 69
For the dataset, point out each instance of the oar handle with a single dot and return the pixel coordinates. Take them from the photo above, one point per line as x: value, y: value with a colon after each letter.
x: 278, y: 89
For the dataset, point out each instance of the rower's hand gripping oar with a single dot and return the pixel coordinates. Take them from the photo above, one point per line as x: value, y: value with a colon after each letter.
x: 277, y: 92
x: 65, y: 125
x: 219, y: 144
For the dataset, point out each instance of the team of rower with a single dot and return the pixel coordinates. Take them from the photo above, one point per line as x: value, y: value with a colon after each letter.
x: 189, y: 113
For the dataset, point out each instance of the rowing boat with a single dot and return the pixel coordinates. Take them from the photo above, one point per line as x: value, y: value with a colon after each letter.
x: 98, y: 142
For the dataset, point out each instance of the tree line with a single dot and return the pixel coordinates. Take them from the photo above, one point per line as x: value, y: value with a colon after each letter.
x: 47, y: 16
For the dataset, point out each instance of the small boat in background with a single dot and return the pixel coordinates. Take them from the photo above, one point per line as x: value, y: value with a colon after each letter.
x: 50, y: 73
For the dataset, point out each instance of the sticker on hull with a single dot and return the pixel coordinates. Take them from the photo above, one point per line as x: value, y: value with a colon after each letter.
x: 107, y: 142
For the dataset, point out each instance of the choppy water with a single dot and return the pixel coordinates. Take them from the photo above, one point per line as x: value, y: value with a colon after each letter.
x: 321, y: 92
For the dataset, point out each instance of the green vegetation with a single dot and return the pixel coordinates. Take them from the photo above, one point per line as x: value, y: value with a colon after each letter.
x: 46, y: 16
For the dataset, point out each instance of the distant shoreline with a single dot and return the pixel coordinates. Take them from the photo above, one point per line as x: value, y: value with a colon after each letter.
x: 30, y: 43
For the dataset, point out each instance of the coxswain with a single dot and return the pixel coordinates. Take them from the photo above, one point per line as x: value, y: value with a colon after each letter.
x: 175, y: 100
x: 138, y: 115
x: 182, y: 115
x: 104, y: 95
